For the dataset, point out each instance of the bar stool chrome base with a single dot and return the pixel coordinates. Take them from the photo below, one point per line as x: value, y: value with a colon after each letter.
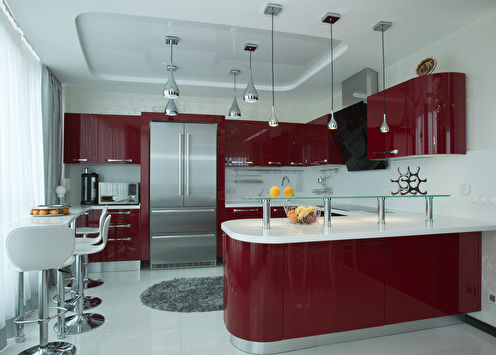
x: 77, y: 324
x: 90, y: 283
x: 53, y: 348
x: 88, y: 303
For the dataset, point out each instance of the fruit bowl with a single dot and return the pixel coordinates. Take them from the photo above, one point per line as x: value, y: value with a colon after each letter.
x: 302, y: 214
x: 50, y: 210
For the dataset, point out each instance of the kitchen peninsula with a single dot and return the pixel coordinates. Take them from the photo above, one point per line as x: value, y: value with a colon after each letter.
x: 295, y: 286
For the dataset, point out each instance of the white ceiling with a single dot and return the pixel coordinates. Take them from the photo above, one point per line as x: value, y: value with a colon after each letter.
x: 118, y: 45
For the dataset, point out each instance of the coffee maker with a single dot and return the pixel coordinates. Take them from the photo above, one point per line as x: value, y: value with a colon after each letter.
x: 89, y: 188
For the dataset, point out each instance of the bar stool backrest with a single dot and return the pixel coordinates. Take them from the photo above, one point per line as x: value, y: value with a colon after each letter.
x: 39, y: 247
x: 103, y: 215
x: 104, y: 233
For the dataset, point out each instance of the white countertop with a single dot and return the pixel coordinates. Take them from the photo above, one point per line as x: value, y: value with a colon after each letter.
x: 349, y: 227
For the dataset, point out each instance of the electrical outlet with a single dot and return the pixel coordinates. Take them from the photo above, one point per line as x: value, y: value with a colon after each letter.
x: 492, y: 298
x: 465, y: 189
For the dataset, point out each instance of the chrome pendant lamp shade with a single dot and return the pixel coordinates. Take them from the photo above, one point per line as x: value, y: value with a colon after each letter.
x: 234, y: 111
x: 171, y: 90
x: 273, y: 10
x: 171, y: 109
x: 250, y: 95
x: 331, y: 18
x: 383, y: 26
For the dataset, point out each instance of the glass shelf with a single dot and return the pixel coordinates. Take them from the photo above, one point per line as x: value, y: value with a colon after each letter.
x: 381, y: 205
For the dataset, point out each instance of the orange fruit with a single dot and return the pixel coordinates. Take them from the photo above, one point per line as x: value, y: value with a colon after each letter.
x: 289, y: 191
x: 274, y: 191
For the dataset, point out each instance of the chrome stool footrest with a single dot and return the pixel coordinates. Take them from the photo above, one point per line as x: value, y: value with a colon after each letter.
x: 22, y: 319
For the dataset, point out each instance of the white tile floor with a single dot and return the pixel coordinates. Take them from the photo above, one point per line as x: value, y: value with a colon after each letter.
x: 131, y: 328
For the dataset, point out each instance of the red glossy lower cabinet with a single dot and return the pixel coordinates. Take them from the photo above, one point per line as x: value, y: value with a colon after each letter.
x: 360, y: 283
x: 282, y: 291
x: 242, y: 213
x: 309, y: 289
x: 253, y: 290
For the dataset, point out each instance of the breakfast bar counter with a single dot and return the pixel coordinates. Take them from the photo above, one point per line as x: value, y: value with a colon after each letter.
x: 295, y: 286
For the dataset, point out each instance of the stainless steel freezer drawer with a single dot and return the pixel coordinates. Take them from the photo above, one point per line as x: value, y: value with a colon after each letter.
x: 176, y: 251
x: 182, y: 221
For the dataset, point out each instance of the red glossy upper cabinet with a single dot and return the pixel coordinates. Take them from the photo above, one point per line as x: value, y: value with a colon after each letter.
x: 80, y: 139
x: 294, y: 144
x: 274, y: 145
x: 436, y: 114
x: 393, y: 143
x: 119, y: 141
x: 243, y: 143
x: 316, y: 141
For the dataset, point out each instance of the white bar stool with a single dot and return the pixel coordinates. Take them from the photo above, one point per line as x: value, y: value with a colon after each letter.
x: 41, y: 248
x: 83, y: 322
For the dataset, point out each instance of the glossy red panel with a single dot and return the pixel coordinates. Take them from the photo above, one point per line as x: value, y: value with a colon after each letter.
x: 360, y: 267
x: 80, y: 139
x: 458, y: 273
x: 294, y: 143
x: 410, y: 278
x: 377, y: 142
x: 277, y: 212
x: 253, y: 277
x: 242, y: 213
x: 316, y: 141
x: 436, y: 114
x: 309, y: 289
x: 119, y: 139
x: 244, y: 142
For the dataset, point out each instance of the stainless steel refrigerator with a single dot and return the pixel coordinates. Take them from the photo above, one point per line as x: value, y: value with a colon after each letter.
x: 183, y: 194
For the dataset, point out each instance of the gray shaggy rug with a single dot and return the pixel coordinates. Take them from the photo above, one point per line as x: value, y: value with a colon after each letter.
x: 197, y: 294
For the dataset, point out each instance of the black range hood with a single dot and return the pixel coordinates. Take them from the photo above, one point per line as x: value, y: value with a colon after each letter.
x: 352, y: 138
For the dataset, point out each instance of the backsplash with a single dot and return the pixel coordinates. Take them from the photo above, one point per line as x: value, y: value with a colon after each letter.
x: 256, y: 181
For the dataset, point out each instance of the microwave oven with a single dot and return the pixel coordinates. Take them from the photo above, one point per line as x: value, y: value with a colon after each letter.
x: 118, y: 193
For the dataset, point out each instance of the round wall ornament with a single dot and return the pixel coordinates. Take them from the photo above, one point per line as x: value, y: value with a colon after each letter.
x: 426, y: 66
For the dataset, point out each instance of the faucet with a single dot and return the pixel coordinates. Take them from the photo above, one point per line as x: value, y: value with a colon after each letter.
x: 284, y: 178
x: 261, y: 192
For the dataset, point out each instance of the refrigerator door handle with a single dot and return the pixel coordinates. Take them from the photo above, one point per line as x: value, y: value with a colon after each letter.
x: 180, y: 160
x: 156, y: 210
x: 182, y: 236
x: 186, y: 162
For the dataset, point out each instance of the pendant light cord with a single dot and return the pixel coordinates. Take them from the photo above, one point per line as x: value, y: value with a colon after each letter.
x: 273, y: 58
x: 171, y: 45
x: 383, y: 70
x: 332, y: 70
x: 250, y: 63
x: 234, y: 85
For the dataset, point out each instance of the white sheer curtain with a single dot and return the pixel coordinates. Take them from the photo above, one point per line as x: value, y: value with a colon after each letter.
x: 21, y: 149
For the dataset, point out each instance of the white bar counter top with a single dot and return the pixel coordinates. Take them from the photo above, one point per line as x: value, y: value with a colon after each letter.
x: 363, y: 226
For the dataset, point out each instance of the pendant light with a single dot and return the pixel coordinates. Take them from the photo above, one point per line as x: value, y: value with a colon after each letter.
x: 170, y: 108
x: 171, y: 90
x: 383, y: 26
x: 273, y: 10
x: 250, y: 95
x: 331, y: 18
x: 234, y: 111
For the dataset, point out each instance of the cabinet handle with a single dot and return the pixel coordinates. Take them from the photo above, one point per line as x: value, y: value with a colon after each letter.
x: 236, y: 210
x: 319, y: 161
x: 79, y: 159
x: 239, y: 162
x: 120, y: 212
x: 109, y: 160
x: 278, y: 209
x: 394, y: 151
x: 293, y: 163
x: 275, y: 163
x: 117, y: 239
x: 121, y: 226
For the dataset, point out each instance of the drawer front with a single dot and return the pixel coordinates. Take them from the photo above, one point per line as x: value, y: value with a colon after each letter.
x: 277, y: 212
x: 122, y: 248
x: 242, y: 213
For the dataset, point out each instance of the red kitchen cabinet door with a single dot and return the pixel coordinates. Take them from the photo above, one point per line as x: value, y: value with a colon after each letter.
x: 334, y: 155
x: 242, y: 213
x: 119, y: 141
x: 277, y: 212
x: 274, y: 145
x: 316, y: 141
x: 360, y: 266
x: 243, y: 143
x: 384, y: 145
x: 436, y: 114
x: 294, y: 144
x: 80, y: 139
x: 458, y: 273
x: 309, y: 289
x: 410, y: 279
x: 253, y: 277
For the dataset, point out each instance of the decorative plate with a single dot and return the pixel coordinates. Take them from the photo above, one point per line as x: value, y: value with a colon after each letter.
x: 426, y: 66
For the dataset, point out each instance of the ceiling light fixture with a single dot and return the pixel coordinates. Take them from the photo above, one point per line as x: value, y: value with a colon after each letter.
x: 234, y: 111
x: 331, y: 18
x: 170, y: 108
x: 273, y: 10
x: 383, y: 26
x: 250, y: 95
x: 171, y: 90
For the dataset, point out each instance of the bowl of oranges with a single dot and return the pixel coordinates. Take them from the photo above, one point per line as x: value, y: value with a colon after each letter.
x: 302, y: 214
x: 50, y: 211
